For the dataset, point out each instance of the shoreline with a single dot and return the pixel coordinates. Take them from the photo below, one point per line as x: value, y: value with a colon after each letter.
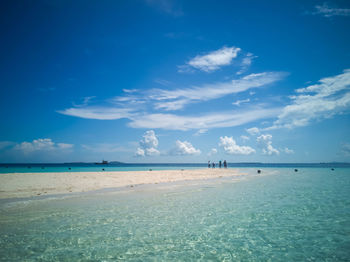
x: 22, y: 185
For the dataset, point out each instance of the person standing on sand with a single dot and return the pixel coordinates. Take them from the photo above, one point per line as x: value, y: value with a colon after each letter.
x: 208, y: 164
x: 220, y: 164
x: 225, y: 164
x: 213, y: 165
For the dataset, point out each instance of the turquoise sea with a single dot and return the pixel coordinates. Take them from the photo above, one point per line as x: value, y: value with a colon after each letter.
x: 280, y: 215
x: 91, y: 167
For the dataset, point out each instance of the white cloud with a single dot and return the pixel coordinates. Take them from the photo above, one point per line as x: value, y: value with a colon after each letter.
x: 288, y: 151
x: 140, y: 152
x: 245, y: 138
x: 214, y: 120
x: 130, y: 90
x: 100, y: 113
x: 239, y: 102
x: 152, y: 151
x: 149, y: 140
x: 246, y: 62
x: 346, y: 149
x: 163, y: 82
x: 172, y: 105
x: 214, y: 60
x: 201, y: 132
x: 41, y: 144
x: 328, y: 11
x: 230, y: 147
x: 64, y: 146
x: 184, y: 148
x: 177, y: 98
x: 170, y: 7
x: 134, y: 103
x: 212, y: 152
x: 253, y: 131
x: 6, y: 144
x: 148, y: 145
x: 265, y: 142
x: 316, y: 102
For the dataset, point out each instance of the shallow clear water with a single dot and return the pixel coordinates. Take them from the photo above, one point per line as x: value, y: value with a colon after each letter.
x: 280, y: 215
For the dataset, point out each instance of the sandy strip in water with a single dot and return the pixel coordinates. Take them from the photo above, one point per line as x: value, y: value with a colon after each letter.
x: 33, y: 184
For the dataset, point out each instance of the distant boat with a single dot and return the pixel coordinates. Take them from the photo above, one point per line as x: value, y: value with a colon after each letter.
x: 104, y: 162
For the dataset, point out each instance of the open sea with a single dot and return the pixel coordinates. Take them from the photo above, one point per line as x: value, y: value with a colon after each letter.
x: 278, y: 215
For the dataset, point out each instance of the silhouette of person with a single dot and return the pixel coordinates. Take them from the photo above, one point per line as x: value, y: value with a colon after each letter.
x: 208, y: 164
x: 225, y: 164
x: 213, y: 165
x: 220, y: 164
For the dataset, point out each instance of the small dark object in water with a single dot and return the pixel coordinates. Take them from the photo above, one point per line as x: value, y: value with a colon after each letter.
x: 69, y: 168
x: 295, y: 170
x: 259, y: 171
x: 332, y: 169
x: 150, y: 170
x: 42, y: 167
x: 29, y: 167
x: 7, y: 167
x: 103, y: 169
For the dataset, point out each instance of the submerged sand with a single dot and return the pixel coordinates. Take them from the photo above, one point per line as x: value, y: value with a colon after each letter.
x: 17, y: 185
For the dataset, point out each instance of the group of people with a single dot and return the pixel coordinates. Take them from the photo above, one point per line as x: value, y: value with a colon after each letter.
x: 212, y: 165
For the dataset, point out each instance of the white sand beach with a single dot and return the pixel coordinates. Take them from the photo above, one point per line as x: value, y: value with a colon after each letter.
x: 15, y: 185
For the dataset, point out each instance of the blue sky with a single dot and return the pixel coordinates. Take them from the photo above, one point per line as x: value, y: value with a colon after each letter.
x: 175, y: 81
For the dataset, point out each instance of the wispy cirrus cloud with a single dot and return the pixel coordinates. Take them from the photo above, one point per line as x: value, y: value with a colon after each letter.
x: 201, y: 132
x: 146, y: 108
x: 177, y: 98
x: 170, y: 7
x: 328, y: 11
x: 172, y: 105
x: 135, y: 105
x: 205, y: 121
x: 130, y: 90
x: 331, y: 96
x: 246, y: 62
x: 211, y: 61
x: 239, y: 102
x: 100, y: 113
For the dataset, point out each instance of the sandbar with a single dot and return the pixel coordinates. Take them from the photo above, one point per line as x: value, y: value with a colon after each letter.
x: 21, y: 185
